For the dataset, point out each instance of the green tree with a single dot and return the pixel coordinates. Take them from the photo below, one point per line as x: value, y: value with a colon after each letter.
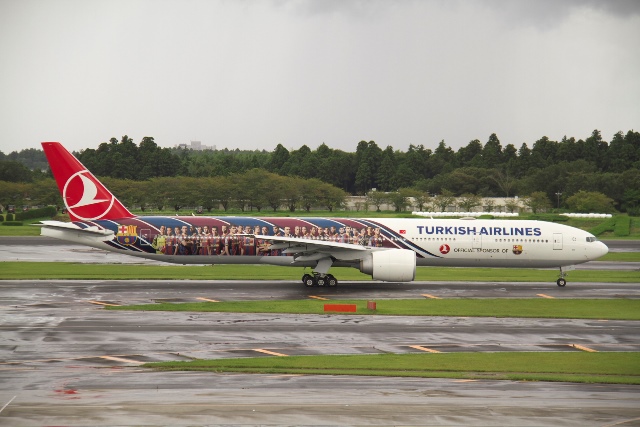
x: 512, y: 205
x: 443, y: 200
x: 401, y: 198
x: 492, y: 152
x: 590, y: 202
x: 537, y: 201
x: 11, y: 171
x: 385, y: 173
x: 278, y: 159
x: 469, y: 201
x: 332, y: 197
x: 377, y: 199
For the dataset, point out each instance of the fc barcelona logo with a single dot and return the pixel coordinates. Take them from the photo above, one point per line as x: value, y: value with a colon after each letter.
x: 517, y: 249
x: 127, y: 234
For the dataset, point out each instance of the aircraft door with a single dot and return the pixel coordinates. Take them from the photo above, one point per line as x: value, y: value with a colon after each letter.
x: 477, y: 241
x: 557, y: 241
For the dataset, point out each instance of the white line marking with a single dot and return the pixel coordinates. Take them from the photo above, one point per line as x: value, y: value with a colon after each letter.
x: 7, y: 404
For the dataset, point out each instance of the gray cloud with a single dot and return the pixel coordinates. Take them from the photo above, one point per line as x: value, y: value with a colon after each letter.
x: 253, y: 74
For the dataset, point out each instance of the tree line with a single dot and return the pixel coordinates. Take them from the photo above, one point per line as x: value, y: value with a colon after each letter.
x: 558, y: 169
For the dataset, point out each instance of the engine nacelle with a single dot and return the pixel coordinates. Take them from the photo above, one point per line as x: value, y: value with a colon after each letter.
x: 392, y: 265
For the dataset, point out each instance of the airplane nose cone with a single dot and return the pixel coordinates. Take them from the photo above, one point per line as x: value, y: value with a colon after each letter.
x: 599, y: 250
x: 604, y: 249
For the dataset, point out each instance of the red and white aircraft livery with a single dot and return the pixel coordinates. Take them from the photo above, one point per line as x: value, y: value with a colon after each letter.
x: 388, y: 249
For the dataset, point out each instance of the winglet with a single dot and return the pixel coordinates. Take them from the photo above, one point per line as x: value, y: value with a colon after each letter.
x: 85, y: 197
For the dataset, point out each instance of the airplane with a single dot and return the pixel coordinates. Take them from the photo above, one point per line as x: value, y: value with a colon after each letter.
x: 387, y: 249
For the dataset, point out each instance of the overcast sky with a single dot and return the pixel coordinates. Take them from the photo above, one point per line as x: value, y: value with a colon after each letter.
x: 252, y: 74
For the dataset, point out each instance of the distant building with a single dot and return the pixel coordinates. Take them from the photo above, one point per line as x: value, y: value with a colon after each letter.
x: 195, y: 146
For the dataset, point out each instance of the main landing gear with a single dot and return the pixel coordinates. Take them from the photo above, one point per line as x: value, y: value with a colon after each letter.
x: 318, y: 279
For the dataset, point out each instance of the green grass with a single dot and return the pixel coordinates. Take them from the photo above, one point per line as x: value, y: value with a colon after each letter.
x: 608, y: 368
x: 19, y: 230
x: 67, y: 270
x: 613, y: 309
x: 621, y: 257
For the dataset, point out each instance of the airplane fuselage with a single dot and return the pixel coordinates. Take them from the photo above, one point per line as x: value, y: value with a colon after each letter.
x: 436, y: 242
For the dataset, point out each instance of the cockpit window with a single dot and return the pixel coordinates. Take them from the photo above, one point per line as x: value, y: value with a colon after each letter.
x: 591, y: 239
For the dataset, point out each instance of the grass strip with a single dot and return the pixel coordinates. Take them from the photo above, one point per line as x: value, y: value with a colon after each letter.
x: 612, y: 368
x: 67, y: 270
x: 614, y: 309
x: 621, y: 257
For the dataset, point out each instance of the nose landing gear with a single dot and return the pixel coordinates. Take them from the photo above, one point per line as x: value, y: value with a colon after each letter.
x: 562, y: 282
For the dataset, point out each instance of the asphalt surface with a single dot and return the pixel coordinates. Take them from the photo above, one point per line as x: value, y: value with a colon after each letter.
x: 64, y: 360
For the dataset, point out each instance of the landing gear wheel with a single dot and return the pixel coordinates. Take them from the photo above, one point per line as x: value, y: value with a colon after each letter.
x: 331, y: 281
x: 321, y: 281
x: 561, y: 282
x: 308, y: 280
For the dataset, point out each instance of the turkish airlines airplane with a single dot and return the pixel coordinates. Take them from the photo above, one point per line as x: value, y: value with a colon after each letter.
x: 388, y: 249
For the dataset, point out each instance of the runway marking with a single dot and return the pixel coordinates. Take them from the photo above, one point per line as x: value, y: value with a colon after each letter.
x: 430, y: 296
x: 619, y: 423
x: 104, y: 303
x: 7, y: 404
x: 465, y: 381
x: 320, y: 298
x: 545, y: 296
x: 272, y: 353
x: 121, y: 359
x: 421, y: 348
x: 583, y: 348
x: 207, y: 299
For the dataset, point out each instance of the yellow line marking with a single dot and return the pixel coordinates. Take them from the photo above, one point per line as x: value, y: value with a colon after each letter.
x: 430, y: 296
x: 104, y: 303
x: 545, y: 296
x: 273, y: 353
x: 583, y: 348
x: 320, y: 298
x: 207, y: 299
x: 121, y: 359
x: 421, y: 348
x: 465, y: 381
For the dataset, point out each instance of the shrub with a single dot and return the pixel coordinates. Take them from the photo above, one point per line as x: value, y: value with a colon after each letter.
x: 604, y: 226
x: 623, y: 226
x: 48, y: 211
x: 1, y: 218
x: 12, y: 223
x: 9, y: 217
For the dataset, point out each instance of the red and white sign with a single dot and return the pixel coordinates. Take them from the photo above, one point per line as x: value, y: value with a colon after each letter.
x: 444, y: 249
x: 402, y: 231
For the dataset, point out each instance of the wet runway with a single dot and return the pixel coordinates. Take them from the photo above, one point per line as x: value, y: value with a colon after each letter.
x: 67, y: 361
x: 64, y: 360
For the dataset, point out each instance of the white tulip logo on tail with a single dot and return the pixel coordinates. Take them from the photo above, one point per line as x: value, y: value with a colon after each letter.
x: 85, y: 197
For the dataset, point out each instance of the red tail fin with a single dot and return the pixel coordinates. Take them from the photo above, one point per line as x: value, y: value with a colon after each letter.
x: 84, y: 196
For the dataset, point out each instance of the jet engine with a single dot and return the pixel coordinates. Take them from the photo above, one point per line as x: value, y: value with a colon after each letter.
x: 392, y: 265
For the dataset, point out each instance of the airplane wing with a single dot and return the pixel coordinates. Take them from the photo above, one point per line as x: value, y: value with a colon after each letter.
x: 323, y: 251
x: 386, y: 264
